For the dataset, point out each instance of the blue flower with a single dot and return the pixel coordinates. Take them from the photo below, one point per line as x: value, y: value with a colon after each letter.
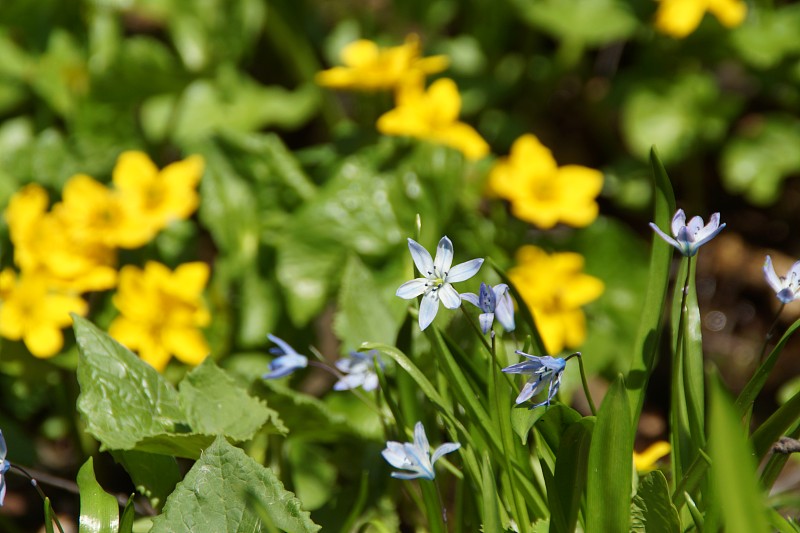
x: 690, y: 237
x: 4, y: 466
x: 544, y: 371
x: 787, y: 288
x: 438, y: 276
x: 493, y: 301
x: 359, y: 370
x: 288, y: 362
x: 415, y: 456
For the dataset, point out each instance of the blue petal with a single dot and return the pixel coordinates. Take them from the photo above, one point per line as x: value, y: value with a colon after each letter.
x: 285, y: 365
x: 444, y: 257
x: 486, y: 320
x: 428, y: 309
x: 464, y: 271
x: 284, y: 346
x: 422, y: 259
x: 412, y: 289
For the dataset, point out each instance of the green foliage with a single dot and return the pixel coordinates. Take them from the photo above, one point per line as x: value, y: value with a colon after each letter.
x: 99, y: 510
x: 652, y: 510
x: 215, y: 493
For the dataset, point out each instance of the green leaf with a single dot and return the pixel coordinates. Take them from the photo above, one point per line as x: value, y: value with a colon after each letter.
x: 748, y: 395
x: 760, y: 157
x: 363, y: 316
x: 776, y: 425
x: 122, y: 399
x: 99, y: 510
x: 674, y: 115
x: 153, y: 475
x: 576, y: 20
x: 572, y: 459
x: 49, y: 515
x: 645, y: 348
x: 489, y: 494
x: 611, y: 464
x: 128, y: 517
x: 214, y: 404
x: 736, y: 491
x: 213, y: 497
x: 768, y: 35
x: 652, y: 510
x: 313, y: 474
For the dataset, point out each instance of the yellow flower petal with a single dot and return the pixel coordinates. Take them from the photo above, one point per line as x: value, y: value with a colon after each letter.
x: 646, y: 460
x: 133, y: 169
x: 679, y: 18
x: 359, y: 53
x: 730, y: 13
x: 188, y: 345
x: 43, y: 340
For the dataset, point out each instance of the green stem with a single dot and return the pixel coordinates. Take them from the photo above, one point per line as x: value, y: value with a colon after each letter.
x: 42, y: 495
x: 677, y: 381
x: 585, y: 382
x: 770, y: 333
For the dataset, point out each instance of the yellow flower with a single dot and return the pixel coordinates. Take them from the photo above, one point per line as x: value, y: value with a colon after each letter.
x: 35, y: 313
x: 153, y: 198
x: 370, y: 68
x: 59, y: 249
x: 554, y: 288
x: 161, y: 311
x: 646, y: 461
x: 540, y: 191
x: 432, y: 115
x: 679, y: 18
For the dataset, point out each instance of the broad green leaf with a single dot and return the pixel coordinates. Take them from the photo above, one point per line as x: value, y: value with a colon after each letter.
x: 760, y: 157
x: 213, y: 497
x: 748, y: 395
x: 214, y: 404
x: 313, y: 474
x: 652, y: 510
x: 768, y: 35
x: 122, y: 399
x: 362, y: 315
x: 674, y: 115
x: 99, y: 510
x: 572, y: 459
x: 576, y: 20
x: 608, y: 494
x: 736, y: 492
x: 645, y: 349
x: 555, y: 420
x: 153, y: 475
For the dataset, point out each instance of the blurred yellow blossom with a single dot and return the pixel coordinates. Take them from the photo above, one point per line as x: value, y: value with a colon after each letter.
x: 679, y: 18
x: 540, y: 191
x: 56, y: 246
x: 35, y: 313
x: 161, y: 311
x: 554, y: 288
x: 370, y: 68
x: 646, y: 461
x: 432, y: 115
x: 152, y: 198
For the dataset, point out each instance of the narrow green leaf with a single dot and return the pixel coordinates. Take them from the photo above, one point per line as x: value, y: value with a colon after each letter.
x: 489, y: 504
x: 572, y: 460
x: 691, y: 478
x: 608, y: 494
x: 48, y: 516
x: 214, y: 404
x: 736, y: 491
x: 748, y: 395
x: 646, y: 345
x: 128, y: 517
x: 694, y: 511
x: 99, y: 510
x: 153, y: 475
x: 652, y: 510
x: 776, y: 425
x: 214, y: 497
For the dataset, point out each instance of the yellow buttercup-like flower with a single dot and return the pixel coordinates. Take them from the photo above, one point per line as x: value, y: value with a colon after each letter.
x: 153, y: 198
x: 432, y: 115
x: 35, y: 313
x: 554, y: 288
x: 646, y: 461
x: 370, y: 68
x: 540, y: 191
x: 679, y: 18
x: 161, y: 312
x: 56, y: 244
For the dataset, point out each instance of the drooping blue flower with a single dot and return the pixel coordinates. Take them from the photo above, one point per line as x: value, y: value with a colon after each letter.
x: 690, y: 237
x: 493, y: 301
x: 435, y: 285
x: 359, y: 370
x: 4, y: 466
x: 787, y: 288
x: 287, y: 362
x: 545, y: 372
x: 416, y: 456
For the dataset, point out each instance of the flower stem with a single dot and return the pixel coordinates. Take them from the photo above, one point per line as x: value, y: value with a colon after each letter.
x: 584, y: 381
x: 40, y: 491
x: 770, y: 333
